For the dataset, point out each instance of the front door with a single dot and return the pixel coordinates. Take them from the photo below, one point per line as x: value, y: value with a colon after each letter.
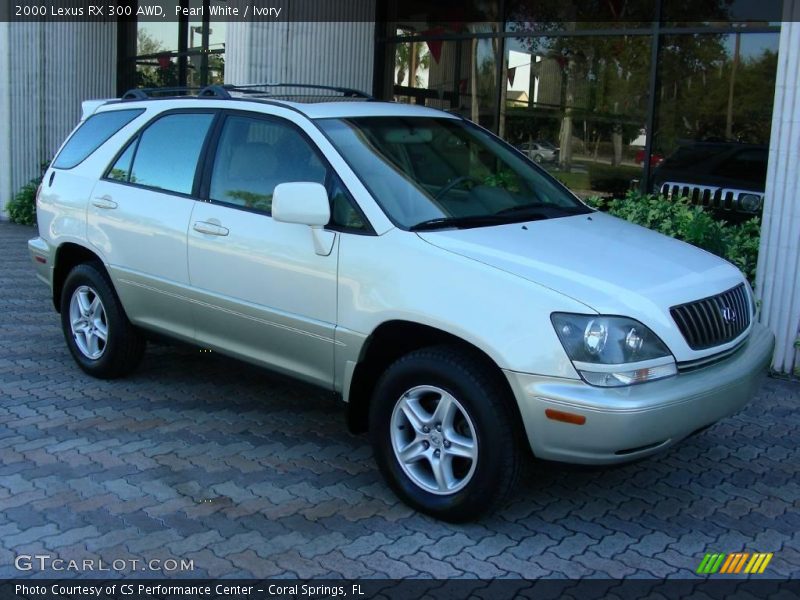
x: 261, y: 291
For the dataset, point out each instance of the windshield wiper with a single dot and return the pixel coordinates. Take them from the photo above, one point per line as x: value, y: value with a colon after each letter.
x: 470, y: 221
x: 535, y: 206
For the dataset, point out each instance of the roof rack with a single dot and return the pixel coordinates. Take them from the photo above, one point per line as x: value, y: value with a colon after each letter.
x: 165, y: 92
x: 223, y: 92
x: 255, y: 88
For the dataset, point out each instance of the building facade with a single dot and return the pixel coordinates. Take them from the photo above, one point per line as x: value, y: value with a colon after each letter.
x: 600, y: 99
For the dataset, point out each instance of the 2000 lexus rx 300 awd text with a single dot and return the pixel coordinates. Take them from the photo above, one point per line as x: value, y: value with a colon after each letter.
x: 465, y: 306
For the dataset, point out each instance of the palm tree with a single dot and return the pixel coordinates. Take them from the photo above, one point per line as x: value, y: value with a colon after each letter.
x: 409, y: 57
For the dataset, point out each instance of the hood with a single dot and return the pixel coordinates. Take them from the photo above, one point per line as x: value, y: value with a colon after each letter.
x: 610, y: 265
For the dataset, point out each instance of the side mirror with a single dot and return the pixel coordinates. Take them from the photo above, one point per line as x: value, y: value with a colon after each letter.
x: 303, y: 203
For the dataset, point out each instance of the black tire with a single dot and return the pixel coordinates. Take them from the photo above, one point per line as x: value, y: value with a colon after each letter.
x: 478, y: 391
x: 538, y: 158
x: 124, y: 346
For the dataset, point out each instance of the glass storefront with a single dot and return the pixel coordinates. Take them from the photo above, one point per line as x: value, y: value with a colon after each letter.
x: 189, y: 52
x: 608, y: 101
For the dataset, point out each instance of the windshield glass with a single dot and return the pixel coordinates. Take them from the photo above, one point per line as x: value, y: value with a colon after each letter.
x: 429, y: 172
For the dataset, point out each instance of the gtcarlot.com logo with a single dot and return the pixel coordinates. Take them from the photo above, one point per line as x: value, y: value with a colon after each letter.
x: 45, y: 562
x: 735, y: 563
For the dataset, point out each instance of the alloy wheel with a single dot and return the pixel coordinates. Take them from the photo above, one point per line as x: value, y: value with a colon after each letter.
x: 88, y: 322
x: 434, y: 440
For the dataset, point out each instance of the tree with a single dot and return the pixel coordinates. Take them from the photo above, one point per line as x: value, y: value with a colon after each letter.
x: 149, y: 75
x: 409, y: 57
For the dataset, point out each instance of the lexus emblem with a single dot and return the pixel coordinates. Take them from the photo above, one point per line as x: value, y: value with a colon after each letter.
x: 728, y: 315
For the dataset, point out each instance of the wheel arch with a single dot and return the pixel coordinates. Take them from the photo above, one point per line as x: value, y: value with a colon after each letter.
x: 68, y: 256
x: 388, y: 342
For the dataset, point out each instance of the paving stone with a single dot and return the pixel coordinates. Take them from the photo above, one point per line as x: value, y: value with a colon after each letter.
x: 71, y: 536
x: 152, y: 541
x: 383, y: 564
x: 258, y: 567
x: 490, y: 546
x: 408, y: 544
x: 112, y: 538
x: 238, y: 543
x: 439, y: 569
x: 29, y: 535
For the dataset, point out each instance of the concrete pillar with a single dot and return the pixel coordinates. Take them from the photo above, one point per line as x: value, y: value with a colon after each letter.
x: 339, y: 53
x: 778, y: 274
x: 46, y: 70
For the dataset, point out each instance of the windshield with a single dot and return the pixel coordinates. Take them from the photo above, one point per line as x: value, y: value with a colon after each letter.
x: 429, y: 172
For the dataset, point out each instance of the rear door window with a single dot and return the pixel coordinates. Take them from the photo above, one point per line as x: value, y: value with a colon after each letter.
x: 92, y: 134
x: 166, y: 153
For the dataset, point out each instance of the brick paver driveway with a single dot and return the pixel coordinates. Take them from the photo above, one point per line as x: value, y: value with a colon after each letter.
x: 199, y: 457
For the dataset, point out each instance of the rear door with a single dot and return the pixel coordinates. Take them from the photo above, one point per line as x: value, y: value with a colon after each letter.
x: 139, y: 215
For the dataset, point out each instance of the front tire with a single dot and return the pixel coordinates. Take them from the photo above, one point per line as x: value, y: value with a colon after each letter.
x: 99, y: 335
x: 445, y: 434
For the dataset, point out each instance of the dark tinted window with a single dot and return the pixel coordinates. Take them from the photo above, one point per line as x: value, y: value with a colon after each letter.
x: 343, y: 210
x: 166, y: 157
x: 747, y: 165
x: 91, y: 135
x: 255, y: 155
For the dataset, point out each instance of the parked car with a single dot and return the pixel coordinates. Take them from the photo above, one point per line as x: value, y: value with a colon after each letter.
x: 655, y: 158
x: 466, y: 306
x: 539, y: 151
x: 725, y: 177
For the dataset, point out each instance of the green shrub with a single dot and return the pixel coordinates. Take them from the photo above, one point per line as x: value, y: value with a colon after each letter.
x: 22, y: 207
x: 737, y: 243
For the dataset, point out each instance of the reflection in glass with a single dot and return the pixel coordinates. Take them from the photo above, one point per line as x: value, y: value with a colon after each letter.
x: 457, y: 76
x: 443, y: 172
x: 716, y: 87
x: 578, y: 105
x: 714, y: 116
x: 254, y: 156
x: 168, y: 151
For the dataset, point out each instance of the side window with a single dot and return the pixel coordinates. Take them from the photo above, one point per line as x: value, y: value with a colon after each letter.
x: 254, y: 155
x: 166, y: 154
x: 92, y: 134
x: 121, y: 171
x: 343, y: 211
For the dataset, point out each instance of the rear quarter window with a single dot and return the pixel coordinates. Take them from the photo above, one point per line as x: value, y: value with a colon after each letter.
x: 92, y: 134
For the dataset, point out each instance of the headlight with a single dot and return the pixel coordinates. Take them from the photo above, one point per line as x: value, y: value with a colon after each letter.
x: 613, y: 351
x: 750, y: 202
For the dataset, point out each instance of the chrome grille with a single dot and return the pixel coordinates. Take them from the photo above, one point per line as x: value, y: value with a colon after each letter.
x: 715, y: 320
x: 707, y: 195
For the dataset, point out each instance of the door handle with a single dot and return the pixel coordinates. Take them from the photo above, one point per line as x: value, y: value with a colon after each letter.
x: 210, y: 228
x: 104, y: 202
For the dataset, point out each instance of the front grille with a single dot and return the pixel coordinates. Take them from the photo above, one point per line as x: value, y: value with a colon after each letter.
x: 715, y: 320
x: 707, y: 195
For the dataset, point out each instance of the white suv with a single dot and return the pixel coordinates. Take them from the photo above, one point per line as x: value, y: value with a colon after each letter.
x: 464, y: 305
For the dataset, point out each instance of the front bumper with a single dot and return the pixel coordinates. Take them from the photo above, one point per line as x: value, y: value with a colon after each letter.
x: 630, y: 422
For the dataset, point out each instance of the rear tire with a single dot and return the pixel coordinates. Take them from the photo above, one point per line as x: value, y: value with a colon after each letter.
x: 445, y: 434
x: 98, y: 333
